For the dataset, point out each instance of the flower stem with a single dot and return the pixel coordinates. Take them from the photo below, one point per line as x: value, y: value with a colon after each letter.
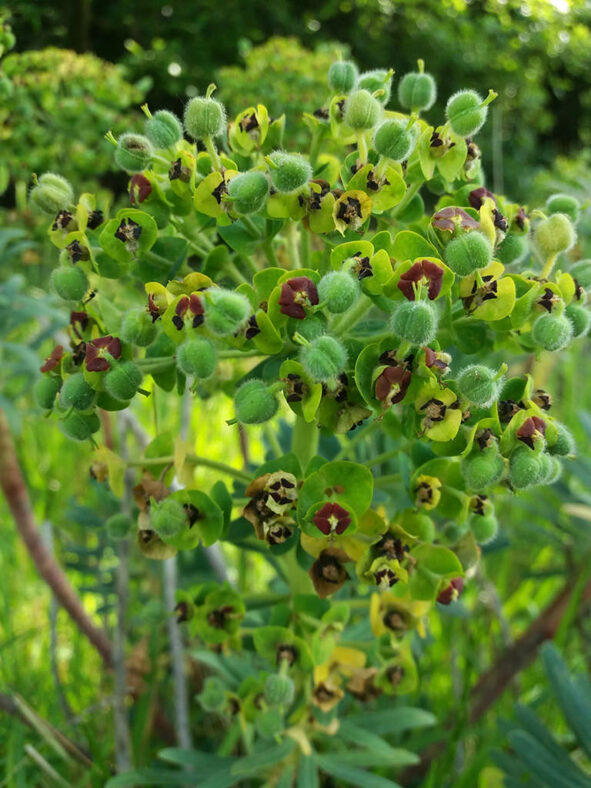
x: 193, y: 459
x: 304, y: 440
x: 352, y: 316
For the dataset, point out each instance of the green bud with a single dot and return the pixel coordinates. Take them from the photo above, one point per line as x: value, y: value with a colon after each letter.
x: 133, y: 152
x: 524, y: 468
x: 254, y: 403
x: 324, y: 358
x: 279, y: 690
x: 479, y: 385
x: 362, y: 111
x: 118, y: 526
x: 417, y: 91
x: 564, y: 203
x: 123, y: 381
x: 137, y: 328
x: 484, y: 527
x: 564, y: 445
x: 552, y: 332
x: 213, y: 695
x: 249, y: 191
x: 342, y: 76
x: 197, y: 358
x: 580, y: 318
x: 52, y: 193
x: 269, y: 723
x: 581, y: 271
x: 163, y: 129
x: 45, y: 391
x: 79, y: 426
x: 482, y: 469
x: 226, y: 311
x: 204, y: 117
x: 69, y: 282
x: 466, y: 113
x: 394, y: 140
x: 289, y: 171
x: 415, y: 322
x: 555, y: 234
x: 76, y: 393
x: 468, y: 252
x: 168, y: 518
x: 512, y: 249
x: 377, y: 79
x: 339, y: 290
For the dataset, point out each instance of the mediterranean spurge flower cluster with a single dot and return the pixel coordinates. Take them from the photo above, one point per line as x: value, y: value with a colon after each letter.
x: 375, y: 287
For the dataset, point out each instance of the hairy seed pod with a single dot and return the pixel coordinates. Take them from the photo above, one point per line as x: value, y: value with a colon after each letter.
x: 213, y: 695
x: 484, y: 528
x: 394, y: 140
x: 279, y: 690
x: 415, y: 322
x: 122, y: 381
x: 204, y: 117
x: 362, y: 111
x: 524, y: 468
x: 52, y: 193
x: 119, y: 526
x: 465, y: 113
x: 79, y: 426
x: 133, y: 152
x: 564, y: 445
x: 482, y: 469
x: 226, y: 311
x: 137, y: 328
x: 417, y: 91
x: 342, y: 76
x: 249, y: 191
x: 70, y: 283
x: 76, y: 393
x: 564, y: 203
x: 581, y: 271
x: 312, y: 326
x: 468, y: 252
x: 197, y: 358
x: 168, y: 518
x: 339, y: 290
x: 580, y: 318
x: 478, y: 385
x: 269, y: 723
x: 512, y: 249
x: 289, y: 171
x: 324, y: 358
x: 163, y: 129
x: 254, y: 403
x: 552, y: 332
x: 377, y: 79
x: 555, y: 234
x: 45, y: 391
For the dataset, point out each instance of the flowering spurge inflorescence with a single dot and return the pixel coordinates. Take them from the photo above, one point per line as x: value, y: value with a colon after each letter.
x: 313, y: 286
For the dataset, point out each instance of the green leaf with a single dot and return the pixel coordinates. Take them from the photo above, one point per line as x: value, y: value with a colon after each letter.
x: 263, y: 759
x: 163, y: 777
x: 542, y: 762
x: 308, y: 773
x: 395, y: 758
x: 349, y: 483
x: 352, y: 776
x: 375, y: 744
x: 409, y: 246
x: 438, y: 560
x: 393, y: 720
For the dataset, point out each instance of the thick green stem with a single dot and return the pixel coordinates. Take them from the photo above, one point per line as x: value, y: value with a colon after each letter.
x: 304, y: 441
x: 352, y: 316
x: 192, y: 459
x: 410, y: 193
x: 213, y: 154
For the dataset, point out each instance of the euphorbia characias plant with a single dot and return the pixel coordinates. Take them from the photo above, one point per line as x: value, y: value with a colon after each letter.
x: 372, y: 292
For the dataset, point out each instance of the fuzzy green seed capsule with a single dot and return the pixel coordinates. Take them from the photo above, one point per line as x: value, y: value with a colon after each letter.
x: 524, y: 468
x: 478, y: 385
x: 465, y: 113
x: 226, y: 312
x: 312, y: 327
x: 163, y: 129
x: 580, y: 318
x: 362, y: 111
x: 555, y: 234
x: 52, y: 193
x: 123, y: 381
x: 137, y: 328
x: 249, y: 191
x: 417, y: 91
x: 118, y: 526
x: 70, y: 283
x: 482, y: 469
x: 76, y: 393
x: 339, y: 290
x: 168, y: 518
x: 133, y: 152
x: 484, y: 527
x: 512, y: 249
x: 552, y: 332
x: 415, y: 322
x: 377, y: 79
x: 79, y: 426
x: 581, y: 271
x: 342, y: 76
x: 254, y: 403
x: 394, y: 140
x: 269, y: 723
x: 213, y: 694
x: 204, y: 117
x: 546, y: 467
x: 453, y: 532
x: 289, y: 171
x: 468, y: 252
x: 555, y: 472
x: 45, y: 391
x: 565, y: 443
x: 279, y: 690
x: 197, y: 358
x: 564, y: 203
x: 324, y: 358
